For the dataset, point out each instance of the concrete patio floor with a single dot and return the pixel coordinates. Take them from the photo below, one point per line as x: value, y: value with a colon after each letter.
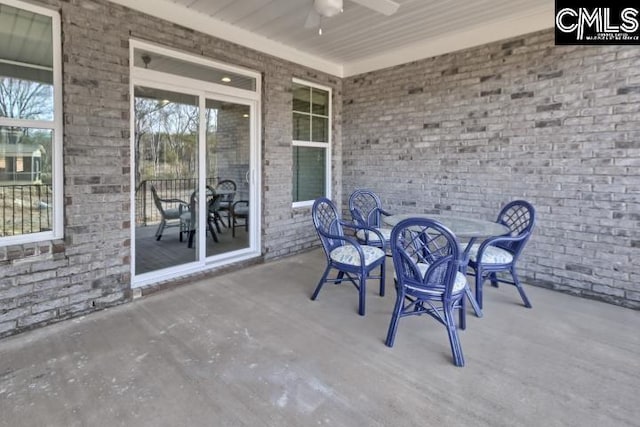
x: 249, y: 348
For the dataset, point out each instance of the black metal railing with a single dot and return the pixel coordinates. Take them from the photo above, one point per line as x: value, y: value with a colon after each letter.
x: 25, y: 209
x: 181, y: 189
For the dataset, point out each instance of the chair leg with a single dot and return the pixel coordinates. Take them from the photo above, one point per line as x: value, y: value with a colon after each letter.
x: 160, y: 229
x: 516, y: 281
x: 454, y: 340
x: 479, y: 282
x: 339, y: 278
x: 393, y: 326
x: 191, y: 234
x: 477, y: 307
x: 382, y: 277
x: 494, y: 280
x: 216, y: 220
x: 362, y: 291
x: 462, y: 316
x: 233, y: 226
x: 212, y: 231
x: 321, y: 282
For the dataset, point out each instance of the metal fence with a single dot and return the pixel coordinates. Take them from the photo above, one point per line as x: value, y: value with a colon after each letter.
x: 146, y: 212
x: 25, y: 209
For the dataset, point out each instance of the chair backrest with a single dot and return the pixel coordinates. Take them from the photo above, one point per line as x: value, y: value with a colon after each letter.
x: 327, y: 222
x: 520, y: 217
x: 227, y: 185
x: 365, y: 207
x: 156, y: 200
x: 426, y: 256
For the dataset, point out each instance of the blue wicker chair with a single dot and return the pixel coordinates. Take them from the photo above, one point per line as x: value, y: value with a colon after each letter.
x: 366, y: 211
x: 353, y: 261
x: 426, y: 259
x: 500, y: 254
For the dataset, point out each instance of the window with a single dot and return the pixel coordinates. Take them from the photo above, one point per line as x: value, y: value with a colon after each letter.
x: 30, y: 124
x: 311, y: 142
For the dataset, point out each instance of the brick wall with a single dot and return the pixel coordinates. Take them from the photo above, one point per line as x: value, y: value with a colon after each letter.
x: 90, y: 268
x: 469, y: 131
x: 229, y: 148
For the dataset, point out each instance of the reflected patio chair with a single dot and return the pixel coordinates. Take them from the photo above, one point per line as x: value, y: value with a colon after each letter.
x: 227, y: 188
x: 353, y: 261
x: 213, y: 208
x: 169, y: 216
x: 366, y: 210
x: 189, y: 219
x: 239, y: 212
x: 500, y: 254
x: 426, y: 258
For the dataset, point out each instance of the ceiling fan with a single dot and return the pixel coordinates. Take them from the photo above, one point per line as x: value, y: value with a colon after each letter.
x: 328, y: 8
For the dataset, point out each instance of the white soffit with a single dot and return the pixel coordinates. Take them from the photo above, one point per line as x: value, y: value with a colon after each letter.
x: 279, y: 20
x: 223, y: 30
x: 491, y: 31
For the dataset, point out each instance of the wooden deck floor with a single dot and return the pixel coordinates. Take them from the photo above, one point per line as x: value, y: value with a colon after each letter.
x: 152, y: 254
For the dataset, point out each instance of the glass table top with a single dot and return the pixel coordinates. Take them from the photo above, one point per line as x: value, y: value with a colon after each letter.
x: 462, y: 227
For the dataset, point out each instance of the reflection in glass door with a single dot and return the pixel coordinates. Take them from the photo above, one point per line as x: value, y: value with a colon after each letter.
x: 228, y: 143
x: 166, y: 165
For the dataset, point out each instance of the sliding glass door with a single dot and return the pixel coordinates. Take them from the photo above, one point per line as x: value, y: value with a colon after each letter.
x: 195, y: 169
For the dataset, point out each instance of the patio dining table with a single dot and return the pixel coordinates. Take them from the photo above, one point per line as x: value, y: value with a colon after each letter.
x: 467, y: 230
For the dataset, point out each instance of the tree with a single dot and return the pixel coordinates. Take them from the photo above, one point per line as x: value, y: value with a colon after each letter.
x: 146, y: 117
x: 25, y: 99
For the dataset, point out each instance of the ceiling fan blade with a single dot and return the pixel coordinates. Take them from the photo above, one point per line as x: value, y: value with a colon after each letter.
x: 313, y: 19
x: 385, y: 7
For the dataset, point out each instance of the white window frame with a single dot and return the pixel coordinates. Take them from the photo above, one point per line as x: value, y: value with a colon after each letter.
x: 326, y: 145
x: 55, y: 126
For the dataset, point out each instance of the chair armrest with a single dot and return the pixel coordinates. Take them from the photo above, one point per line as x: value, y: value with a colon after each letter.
x: 182, y: 205
x: 494, y: 241
x: 383, y: 212
x: 238, y: 203
x: 366, y: 228
x: 174, y: 201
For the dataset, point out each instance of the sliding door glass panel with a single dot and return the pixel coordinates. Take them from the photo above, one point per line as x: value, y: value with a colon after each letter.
x: 166, y: 165
x: 228, y: 144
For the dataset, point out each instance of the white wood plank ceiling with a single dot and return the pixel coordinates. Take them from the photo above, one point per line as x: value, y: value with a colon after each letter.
x: 25, y: 37
x: 360, y: 39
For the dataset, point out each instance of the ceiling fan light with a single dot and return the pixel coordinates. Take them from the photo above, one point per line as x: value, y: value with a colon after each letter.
x: 328, y: 8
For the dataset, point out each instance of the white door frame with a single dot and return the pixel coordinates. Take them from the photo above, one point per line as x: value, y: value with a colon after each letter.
x: 203, y: 90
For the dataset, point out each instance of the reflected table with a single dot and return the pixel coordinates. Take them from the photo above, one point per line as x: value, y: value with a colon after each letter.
x: 467, y: 230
